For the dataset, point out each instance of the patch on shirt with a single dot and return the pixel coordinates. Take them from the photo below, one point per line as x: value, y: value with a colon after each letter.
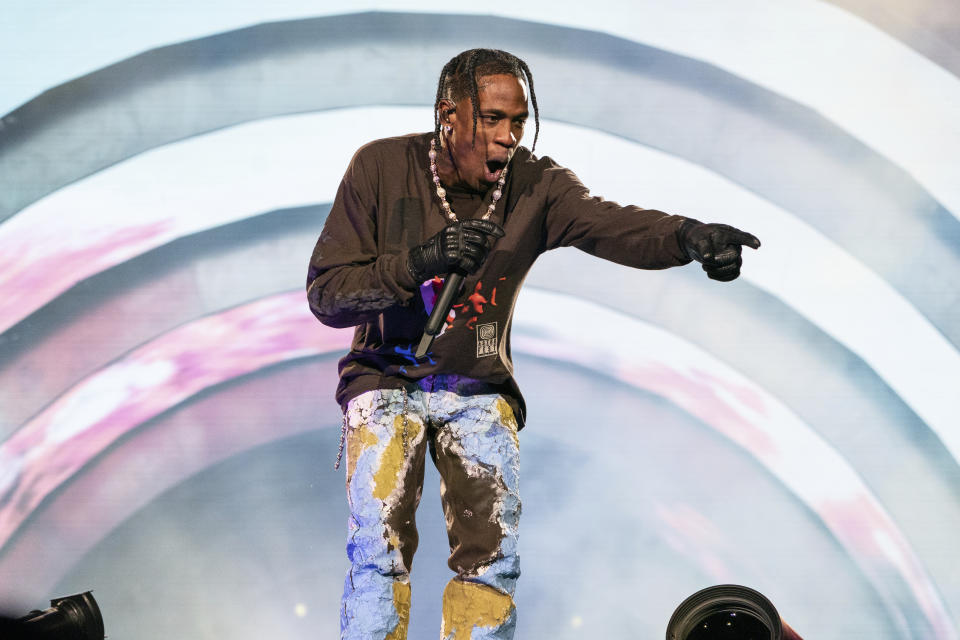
x: 486, y: 339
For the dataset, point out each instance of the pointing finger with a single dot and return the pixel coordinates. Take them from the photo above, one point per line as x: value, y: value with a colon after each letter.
x: 736, y: 236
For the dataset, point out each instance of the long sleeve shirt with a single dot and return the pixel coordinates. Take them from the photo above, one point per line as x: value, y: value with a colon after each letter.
x: 386, y: 205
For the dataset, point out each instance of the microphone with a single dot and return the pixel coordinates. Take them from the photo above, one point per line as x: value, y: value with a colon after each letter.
x: 441, y: 309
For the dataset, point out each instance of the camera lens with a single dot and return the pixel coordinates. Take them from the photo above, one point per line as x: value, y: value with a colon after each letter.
x: 725, y: 612
x: 729, y: 625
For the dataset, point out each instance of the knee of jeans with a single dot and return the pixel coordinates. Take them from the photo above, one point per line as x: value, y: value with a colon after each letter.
x: 501, y: 574
x: 374, y: 553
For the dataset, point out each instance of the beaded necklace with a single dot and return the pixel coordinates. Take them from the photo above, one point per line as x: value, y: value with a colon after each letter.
x: 442, y: 193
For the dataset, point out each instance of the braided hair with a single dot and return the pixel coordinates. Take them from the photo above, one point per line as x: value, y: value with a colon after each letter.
x: 459, y: 79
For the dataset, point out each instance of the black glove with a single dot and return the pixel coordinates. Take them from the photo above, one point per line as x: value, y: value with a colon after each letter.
x: 716, y: 246
x: 460, y: 246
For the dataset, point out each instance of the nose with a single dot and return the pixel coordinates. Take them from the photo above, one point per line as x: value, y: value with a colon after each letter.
x: 504, y: 135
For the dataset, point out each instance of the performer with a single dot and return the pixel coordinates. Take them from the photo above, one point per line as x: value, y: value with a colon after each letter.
x: 410, y: 210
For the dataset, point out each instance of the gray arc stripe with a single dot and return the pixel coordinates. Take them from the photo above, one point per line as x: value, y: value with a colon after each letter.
x: 774, y: 147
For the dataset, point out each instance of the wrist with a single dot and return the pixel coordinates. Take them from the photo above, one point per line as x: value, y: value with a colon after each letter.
x: 683, y: 236
x: 414, y: 263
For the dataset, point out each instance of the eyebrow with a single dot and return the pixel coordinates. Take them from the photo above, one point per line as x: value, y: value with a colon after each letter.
x: 503, y: 114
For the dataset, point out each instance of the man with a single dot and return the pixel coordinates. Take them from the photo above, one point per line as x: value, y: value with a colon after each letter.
x: 411, y: 210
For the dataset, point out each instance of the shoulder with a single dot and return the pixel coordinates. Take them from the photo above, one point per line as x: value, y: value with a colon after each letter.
x: 386, y: 156
x: 392, y: 148
x: 545, y: 171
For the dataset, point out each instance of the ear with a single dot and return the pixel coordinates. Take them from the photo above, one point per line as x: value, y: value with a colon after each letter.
x: 448, y: 111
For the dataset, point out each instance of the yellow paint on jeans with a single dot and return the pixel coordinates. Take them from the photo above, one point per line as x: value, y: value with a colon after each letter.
x: 508, y: 419
x: 392, y: 459
x: 393, y: 542
x: 468, y: 604
x: 401, y: 602
x: 358, y: 441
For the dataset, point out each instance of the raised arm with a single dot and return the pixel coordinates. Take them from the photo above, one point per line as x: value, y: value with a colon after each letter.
x: 637, y: 237
x: 628, y: 235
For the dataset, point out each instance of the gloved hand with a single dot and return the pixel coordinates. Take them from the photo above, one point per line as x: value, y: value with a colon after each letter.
x: 716, y: 246
x: 460, y: 246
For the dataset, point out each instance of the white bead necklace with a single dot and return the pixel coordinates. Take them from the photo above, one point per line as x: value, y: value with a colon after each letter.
x: 442, y: 193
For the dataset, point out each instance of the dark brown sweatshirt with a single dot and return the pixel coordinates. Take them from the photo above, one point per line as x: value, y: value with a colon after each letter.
x: 386, y: 205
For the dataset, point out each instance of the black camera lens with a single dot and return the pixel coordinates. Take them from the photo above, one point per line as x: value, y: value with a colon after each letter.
x: 730, y: 625
x: 725, y: 612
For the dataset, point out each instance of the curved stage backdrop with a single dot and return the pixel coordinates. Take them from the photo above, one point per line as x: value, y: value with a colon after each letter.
x: 167, y: 426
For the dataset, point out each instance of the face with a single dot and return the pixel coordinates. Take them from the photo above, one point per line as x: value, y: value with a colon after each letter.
x: 478, y: 163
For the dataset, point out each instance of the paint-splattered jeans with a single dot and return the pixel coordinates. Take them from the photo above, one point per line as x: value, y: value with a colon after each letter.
x: 472, y: 438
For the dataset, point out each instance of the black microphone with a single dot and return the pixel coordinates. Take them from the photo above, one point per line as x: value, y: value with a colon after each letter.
x: 441, y: 309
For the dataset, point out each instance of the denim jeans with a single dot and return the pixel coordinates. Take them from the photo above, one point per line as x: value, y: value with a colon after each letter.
x: 471, y: 435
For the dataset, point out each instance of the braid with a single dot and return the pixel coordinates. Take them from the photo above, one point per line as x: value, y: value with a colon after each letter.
x: 458, y: 79
x: 471, y: 73
x: 533, y: 99
x: 441, y: 89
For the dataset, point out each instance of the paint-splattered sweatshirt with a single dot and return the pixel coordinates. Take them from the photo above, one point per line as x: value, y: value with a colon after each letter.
x: 386, y: 205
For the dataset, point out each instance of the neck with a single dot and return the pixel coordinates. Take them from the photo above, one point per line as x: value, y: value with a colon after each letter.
x: 447, y: 166
x: 449, y: 172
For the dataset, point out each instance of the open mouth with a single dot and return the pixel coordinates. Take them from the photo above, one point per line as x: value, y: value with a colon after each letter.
x: 495, y: 169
